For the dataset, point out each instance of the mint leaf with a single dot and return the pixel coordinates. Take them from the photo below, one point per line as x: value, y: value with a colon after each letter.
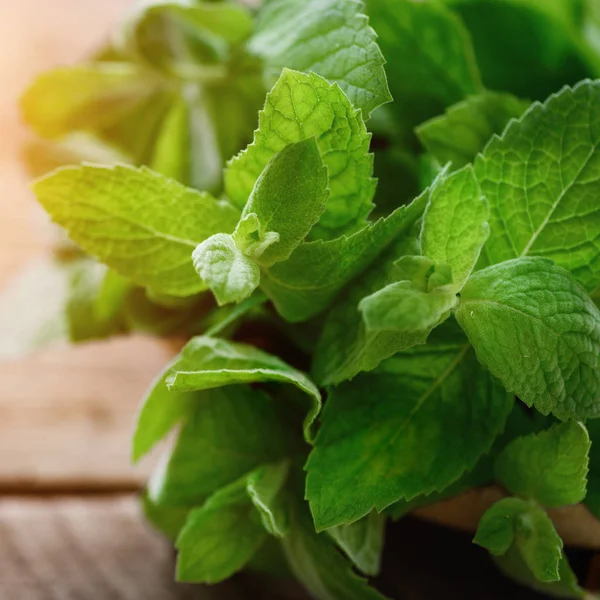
x: 370, y: 433
x: 362, y: 542
x: 307, y: 283
x: 159, y: 412
x: 207, y: 363
x: 219, y: 538
x: 528, y: 527
x: 540, y: 179
x: 318, y: 565
x: 331, y: 38
x: 169, y: 520
x: 536, y: 330
x: 455, y: 226
x: 592, y: 500
x: 301, y: 106
x: 288, y: 198
x: 403, y: 307
x: 345, y: 347
x: 430, y: 59
x: 225, y: 269
x: 229, y: 432
x: 463, y: 131
x: 138, y: 222
x: 550, y: 467
x: 85, y: 97
x: 264, y: 487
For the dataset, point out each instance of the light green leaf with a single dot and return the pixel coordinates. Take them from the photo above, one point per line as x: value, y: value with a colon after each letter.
x: 430, y: 59
x: 301, y: 106
x: 319, y: 566
x: 362, y: 542
x: 138, y: 222
x: 307, y: 283
x: 550, y: 467
x: 207, y: 363
x: 169, y: 520
x: 85, y: 97
x: 402, y: 445
x: 331, y: 38
x: 536, y: 330
x: 524, y: 524
x: 225, y: 269
x: 455, y: 226
x: 288, y: 198
x: 264, y: 487
x: 219, y: 538
x: 463, y: 131
x: 403, y: 307
x: 540, y: 179
x: 229, y: 432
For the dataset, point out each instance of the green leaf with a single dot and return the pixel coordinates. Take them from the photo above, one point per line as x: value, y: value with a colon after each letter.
x: 455, y: 226
x: 169, y: 520
x: 542, y: 51
x: 592, y: 500
x: 513, y: 565
x: 319, y: 566
x: 85, y: 97
x: 159, y: 412
x: 307, y: 283
x: 288, y: 198
x: 362, y: 542
x: 346, y: 347
x: 207, y: 363
x: 540, y: 179
x: 331, y: 38
x: 264, y: 487
x: 550, y: 467
x: 229, y: 432
x: 524, y: 524
x: 463, y: 131
x: 430, y: 59
x: 301, y: 106
x: 402, y: 445
x: 219, y: 538
x: 403, y: 307
x: 536, y: 330
x: 225, y: 269
x: 138, y: 222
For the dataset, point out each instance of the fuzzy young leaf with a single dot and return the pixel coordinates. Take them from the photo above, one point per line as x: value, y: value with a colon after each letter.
x: 541, y: 179
x: 362, y: 542
x: 400, y: 446
x: 288, y: 198
x: 463, y: 131
x: 305, y: 284
x: 225, y: 269
x: 331, y: 38
x: 229, y: 432
x: 455, y: 226
x: 403, y: 307
x: 524, y: 524
x: 550, y: 467
x: 219, y: 538
x: 431, y: 63
x: 138, y: 222
x: 536, y: 329
x: 301, y: 106
x: 207, y: 363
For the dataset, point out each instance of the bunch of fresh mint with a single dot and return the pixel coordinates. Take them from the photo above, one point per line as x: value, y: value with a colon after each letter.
x: 376, y: 293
